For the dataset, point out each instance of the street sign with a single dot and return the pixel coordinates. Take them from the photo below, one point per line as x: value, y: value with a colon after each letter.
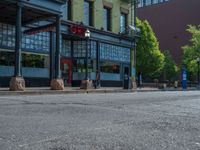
x: 184, y: 79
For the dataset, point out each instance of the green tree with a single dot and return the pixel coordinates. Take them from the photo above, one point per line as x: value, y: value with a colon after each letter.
x: 170, y: 70
x: 150, y: 60
x: 192, y: 52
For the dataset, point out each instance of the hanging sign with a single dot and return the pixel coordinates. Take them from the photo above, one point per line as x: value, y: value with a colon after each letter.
x: 77, y: 30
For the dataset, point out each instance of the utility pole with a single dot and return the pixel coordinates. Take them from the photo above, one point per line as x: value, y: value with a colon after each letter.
x: 133, y: 7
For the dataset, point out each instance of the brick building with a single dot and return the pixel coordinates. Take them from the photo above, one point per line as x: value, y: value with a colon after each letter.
x: 169, y: 20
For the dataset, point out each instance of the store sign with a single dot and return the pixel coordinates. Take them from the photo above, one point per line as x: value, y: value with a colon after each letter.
x: 40, y: 29
x: 77, y: 30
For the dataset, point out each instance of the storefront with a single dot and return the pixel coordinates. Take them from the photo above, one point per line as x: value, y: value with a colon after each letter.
x: 111, y: 59
x: 109, y: 54
x: 26, y: 54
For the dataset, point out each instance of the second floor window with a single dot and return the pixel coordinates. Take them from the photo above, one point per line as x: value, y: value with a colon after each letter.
x: 107, y: 19
x: 123, y: 22
x: 88, y: 11
x: 66, y: 10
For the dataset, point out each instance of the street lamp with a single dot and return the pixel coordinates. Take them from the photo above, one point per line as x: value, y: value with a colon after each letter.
x: 86, y: 83
x: 87, y: 36
x: 198, y: 62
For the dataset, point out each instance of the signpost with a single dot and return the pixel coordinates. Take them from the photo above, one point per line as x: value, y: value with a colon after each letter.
x: 184, y: 79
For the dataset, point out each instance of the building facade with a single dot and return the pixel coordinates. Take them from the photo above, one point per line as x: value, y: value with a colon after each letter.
x: 143, y: 3
x: 47, y: 41
x: 169, y: 21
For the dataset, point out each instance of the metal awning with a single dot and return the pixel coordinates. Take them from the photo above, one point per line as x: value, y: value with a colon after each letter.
x: 30, y: 12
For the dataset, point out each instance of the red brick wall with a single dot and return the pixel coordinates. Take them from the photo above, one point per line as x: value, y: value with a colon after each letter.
x: 169, y: 21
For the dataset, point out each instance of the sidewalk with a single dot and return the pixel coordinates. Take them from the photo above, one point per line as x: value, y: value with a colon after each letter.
x: 77, y: 90
x: 67, y: 90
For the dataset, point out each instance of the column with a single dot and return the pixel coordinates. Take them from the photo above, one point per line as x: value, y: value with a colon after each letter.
x: 17, y: 82
x: 51, y: 55
x: 133, y: 65
x: 98, y: 81
x: 57, y: 53
x: 57, y: 83
x: 86, y: 66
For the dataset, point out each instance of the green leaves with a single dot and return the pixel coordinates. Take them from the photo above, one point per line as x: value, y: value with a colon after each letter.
x: 150, y: 60
x: 170, y: 70
x: 192, y: 52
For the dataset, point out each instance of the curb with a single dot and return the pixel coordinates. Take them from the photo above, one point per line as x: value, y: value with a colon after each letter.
x: 52, y: 92
x: 166, y: 90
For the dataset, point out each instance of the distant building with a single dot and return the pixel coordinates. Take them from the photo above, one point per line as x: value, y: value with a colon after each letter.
x: 169, y: 21
x: 143, y: 3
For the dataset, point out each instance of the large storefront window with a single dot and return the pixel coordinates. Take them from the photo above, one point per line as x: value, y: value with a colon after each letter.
x: 35, y: 61
x: 7, y: 35
x: 110, y: 67
x: 7, y: 58
x: 114, y: 53
x: 37, y: 42
x: 33, y: 65
x: 66, y: 48
x: 80, y: 49
x: 112, y: 59
x: 79, y: 65
x: 28, y: 60
x: 79, y: 62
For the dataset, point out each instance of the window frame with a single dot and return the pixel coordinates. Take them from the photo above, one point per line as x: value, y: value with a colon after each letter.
x: 90, y: 13
x: 108, y: 18
x: 125, y: 15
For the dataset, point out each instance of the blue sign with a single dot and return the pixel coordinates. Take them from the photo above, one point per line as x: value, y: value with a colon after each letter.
x: 133, y: 72
x: 184, y: 78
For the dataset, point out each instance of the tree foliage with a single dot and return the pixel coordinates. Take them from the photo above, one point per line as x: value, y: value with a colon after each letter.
x: 170, y: 70
x: 150, y: 60
x: 192, y: 52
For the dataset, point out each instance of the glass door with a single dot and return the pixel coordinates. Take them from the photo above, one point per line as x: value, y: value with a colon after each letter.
x: 66, y: 71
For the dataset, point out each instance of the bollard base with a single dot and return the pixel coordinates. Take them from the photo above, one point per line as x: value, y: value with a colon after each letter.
x: 86, y: 84
x: 57, y: 84
x: 17, y: 84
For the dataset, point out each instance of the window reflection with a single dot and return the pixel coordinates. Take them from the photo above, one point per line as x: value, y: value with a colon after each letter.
x: 66, y: 48
x: 79, y: 65
x: 115, y: 53
x: 88, y: 8
x: 7, y: 58
x: 110, y: 67
x: 36, y: 42
x: 107, y: 19
x: 143, y: 3
x: 123, y: 22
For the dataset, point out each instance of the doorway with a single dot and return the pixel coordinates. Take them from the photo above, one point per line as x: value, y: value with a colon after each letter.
x: 126, y: 70
x: 66, y: 71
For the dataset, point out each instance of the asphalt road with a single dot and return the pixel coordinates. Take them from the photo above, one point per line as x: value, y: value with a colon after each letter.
x: 136, y: 121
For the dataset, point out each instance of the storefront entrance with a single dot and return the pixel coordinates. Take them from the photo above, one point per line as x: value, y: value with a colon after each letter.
x: 126, y: 70
x: 66, y: 71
